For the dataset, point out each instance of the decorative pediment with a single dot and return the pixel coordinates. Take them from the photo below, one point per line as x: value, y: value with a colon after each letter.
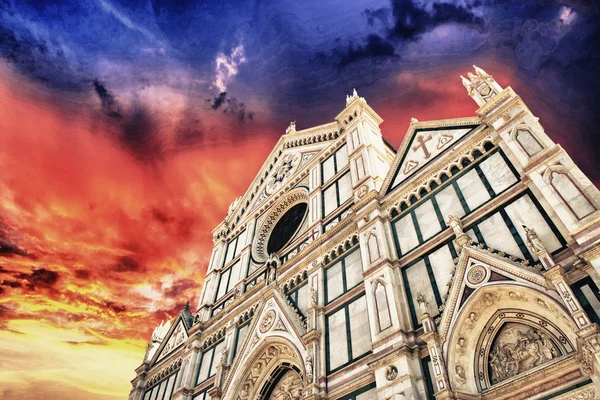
x: 424, y: 142
x: 477, y: 268
x: 274, y: 321
x: 283, y: 169
x: 502, y: 320
x: 176, y: 336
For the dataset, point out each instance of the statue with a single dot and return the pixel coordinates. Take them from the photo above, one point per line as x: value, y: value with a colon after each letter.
x: 309, y: 368
x: 533, y: 242
x: 422, y: 304
x: 313, y: 297
x: 455, y: 223
x: 291, y: 128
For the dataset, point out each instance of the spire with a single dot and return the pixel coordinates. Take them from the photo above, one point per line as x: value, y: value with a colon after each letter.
x: 481, y: 87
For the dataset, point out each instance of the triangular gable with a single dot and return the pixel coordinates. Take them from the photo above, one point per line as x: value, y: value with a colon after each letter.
x: 176, y: 336
x: 286, y: 166
x: 273, y: 318
x: 423, y: 143
x: 477, y: 268
x: 300, y: 147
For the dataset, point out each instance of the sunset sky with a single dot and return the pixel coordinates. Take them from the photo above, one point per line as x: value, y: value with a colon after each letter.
x: 128, y: 127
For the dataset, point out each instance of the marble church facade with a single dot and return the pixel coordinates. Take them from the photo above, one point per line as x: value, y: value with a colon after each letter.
x: 464, y: 265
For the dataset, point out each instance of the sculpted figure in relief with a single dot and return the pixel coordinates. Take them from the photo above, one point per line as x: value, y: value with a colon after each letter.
x: 289, y: 387
x: 519, y: 348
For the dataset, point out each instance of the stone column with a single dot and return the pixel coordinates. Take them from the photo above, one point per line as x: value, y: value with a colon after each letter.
x: 430, y: 336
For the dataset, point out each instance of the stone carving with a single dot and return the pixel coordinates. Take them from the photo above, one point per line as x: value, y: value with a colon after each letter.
x: 515, y: 296
x: 461, y: 344
x: 268, y: 321
x: 282, y: 171
x: 308, y: 365
x: 533, y: 241
x: 461, y: 376
x: 489, y: 299
x: 291, y: 128
x: 391, y: 372
x: 455, y: 223
x: 472, y: 318
x: 518, y: 348
x: 423, y: 309
x: 289, y: 387
x: 476, y: 275
x: 313, y: 297
x: 462, y: 238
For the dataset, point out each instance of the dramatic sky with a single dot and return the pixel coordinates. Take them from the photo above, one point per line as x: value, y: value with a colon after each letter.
x: 128, y: 127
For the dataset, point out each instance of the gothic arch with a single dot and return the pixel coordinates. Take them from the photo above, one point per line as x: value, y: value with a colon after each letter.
x: 569, y: 191
x: 471, y: 330
x: 528, y: 142
x: 263, y: 368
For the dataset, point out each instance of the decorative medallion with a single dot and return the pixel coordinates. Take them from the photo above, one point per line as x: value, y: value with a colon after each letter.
x: 391, y: 372
x: 268, y: 321
x: 282, y: 171
x: 476, y: 275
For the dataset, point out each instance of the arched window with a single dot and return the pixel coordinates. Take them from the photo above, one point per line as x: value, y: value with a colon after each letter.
x: 528, y: 142
x: 570, y: 194
x: 373, y: 246
x: 384, y: 317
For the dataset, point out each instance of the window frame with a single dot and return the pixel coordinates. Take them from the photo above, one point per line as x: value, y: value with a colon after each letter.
x: 342, y: 260
x: 149, y: 391
x: 351, y: 360
x: 336, y: 183
x: 213, y: 347
x: 451, y: 182
x: 501, y: 209
x: 336, y: 169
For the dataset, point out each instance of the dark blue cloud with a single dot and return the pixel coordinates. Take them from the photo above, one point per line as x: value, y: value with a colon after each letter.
x: 300, y: 59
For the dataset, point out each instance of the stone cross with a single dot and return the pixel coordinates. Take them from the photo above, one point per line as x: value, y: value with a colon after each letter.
x: 422, y: 144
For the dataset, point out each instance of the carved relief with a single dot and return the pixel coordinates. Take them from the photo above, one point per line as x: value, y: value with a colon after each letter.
x: 476, y: 275
x: 255, y: 377
x: 289, y: 387
x: 391, y: 372
x: 267, y: 321
x: 519, y: 348
x: 282, y: 171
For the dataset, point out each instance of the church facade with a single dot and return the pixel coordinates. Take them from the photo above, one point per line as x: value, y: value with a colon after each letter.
x: 464, y: 265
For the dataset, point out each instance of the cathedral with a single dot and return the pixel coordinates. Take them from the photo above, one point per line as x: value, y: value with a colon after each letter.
x: 463, y: 265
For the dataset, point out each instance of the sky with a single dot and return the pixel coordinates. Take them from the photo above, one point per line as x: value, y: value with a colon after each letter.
x: 128, y: 127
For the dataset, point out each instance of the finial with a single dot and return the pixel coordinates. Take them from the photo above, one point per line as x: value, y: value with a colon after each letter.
x: 465, y: 82
x: 354, y: 93
x: 413, y: 120
x: 480, y: 71
x: 186, y: 307
x: 291, y: 128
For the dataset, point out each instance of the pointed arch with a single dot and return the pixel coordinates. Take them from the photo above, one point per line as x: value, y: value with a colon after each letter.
x: 265, y: 366
x: 528, y: 142
x: 373, y: 247
x: 382, y: 305
x: 569, y: 191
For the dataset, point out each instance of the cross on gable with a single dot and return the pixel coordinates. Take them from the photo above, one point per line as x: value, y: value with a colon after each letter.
x: 422, y: 143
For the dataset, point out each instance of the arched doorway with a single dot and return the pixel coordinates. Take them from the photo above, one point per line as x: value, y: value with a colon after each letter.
x: 273, y: 371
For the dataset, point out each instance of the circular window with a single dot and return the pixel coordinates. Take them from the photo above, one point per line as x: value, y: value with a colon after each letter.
x: 279, y: 225
x: 286, y: 228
